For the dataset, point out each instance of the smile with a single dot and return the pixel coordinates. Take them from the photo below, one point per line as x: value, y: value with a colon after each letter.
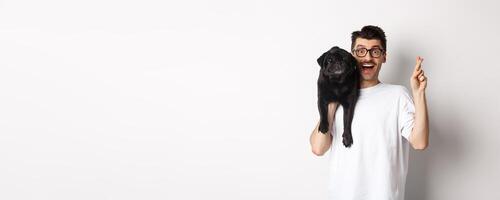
x: 368, y: 66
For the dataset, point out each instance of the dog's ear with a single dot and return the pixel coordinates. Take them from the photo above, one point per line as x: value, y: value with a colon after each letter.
x: 321, y: 59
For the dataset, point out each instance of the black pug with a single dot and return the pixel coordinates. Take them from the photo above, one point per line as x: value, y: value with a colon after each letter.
x: 338, y: 82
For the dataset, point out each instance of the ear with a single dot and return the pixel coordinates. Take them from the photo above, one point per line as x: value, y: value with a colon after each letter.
x: 321, y: 59
x: 384, y: 57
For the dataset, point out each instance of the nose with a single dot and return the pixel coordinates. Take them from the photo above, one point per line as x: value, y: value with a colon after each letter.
x: 366, y: 58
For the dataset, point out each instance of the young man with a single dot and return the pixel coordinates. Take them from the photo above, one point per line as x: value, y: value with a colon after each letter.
x: 386, y: 122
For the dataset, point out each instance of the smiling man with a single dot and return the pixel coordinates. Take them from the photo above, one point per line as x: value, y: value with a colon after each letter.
x: 386, y: 123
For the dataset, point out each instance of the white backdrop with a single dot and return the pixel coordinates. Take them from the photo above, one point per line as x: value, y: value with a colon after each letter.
x: 105, y: 99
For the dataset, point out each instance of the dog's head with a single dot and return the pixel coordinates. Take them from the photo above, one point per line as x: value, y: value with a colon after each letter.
x: 337, y: 64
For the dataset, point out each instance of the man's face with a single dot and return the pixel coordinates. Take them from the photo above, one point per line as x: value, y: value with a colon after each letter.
x: 369, y: 66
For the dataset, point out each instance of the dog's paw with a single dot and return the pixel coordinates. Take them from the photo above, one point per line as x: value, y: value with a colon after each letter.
x: 347, y: 139
x: 323, y: 127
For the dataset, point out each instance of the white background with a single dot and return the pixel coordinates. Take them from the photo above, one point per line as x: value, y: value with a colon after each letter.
x: 104, y: 99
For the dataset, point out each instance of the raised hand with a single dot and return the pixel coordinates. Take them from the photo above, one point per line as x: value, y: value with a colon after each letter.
x: 418, y: 80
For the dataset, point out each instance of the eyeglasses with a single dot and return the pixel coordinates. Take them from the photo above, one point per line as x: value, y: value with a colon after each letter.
x: 375, y: 52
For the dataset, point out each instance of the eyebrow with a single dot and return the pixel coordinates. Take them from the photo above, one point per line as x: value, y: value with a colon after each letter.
x: 376, y: 46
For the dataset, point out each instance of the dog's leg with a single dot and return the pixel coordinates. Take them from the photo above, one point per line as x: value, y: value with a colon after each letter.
x: 348, y: 116
x: 347, y: 135
x: 323, y: 114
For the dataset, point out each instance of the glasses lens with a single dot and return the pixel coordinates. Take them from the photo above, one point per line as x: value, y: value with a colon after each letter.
x: 361, y: 52
x: 376, y: 53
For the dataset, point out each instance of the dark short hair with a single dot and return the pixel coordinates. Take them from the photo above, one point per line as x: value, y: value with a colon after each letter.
x: 369, y: 32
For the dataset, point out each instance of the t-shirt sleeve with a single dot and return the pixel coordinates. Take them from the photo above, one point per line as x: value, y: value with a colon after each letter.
x: 406, y: 115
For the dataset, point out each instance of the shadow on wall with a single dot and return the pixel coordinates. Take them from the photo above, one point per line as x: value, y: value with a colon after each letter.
x: 445, y: 144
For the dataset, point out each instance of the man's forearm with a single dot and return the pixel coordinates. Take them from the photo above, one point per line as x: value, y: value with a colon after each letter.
x: 320, y: 143
x: 420, y: 133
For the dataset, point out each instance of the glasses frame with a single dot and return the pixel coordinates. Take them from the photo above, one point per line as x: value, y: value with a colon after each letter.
x: 370, y: 51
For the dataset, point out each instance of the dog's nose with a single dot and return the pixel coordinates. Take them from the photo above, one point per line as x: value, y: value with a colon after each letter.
x: 333, y: 70
x: 337, y: 68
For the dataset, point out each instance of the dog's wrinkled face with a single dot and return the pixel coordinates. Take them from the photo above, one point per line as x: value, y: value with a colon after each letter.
x: 337, y: 64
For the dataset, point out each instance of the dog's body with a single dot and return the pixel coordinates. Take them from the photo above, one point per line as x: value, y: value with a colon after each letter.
x: 338, y: 82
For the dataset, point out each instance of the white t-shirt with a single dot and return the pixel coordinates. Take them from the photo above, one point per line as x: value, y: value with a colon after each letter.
x: 375, y: 166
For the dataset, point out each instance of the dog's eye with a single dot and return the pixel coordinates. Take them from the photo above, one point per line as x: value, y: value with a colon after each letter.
x: 329, y: 60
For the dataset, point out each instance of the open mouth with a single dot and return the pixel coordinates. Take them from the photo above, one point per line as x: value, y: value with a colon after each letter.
x: 367, y: 67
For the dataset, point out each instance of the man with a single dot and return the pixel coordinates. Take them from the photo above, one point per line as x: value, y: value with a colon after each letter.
x: 386, y: 122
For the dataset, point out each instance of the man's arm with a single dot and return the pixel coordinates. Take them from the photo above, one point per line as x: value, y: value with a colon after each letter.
x: 320, y: 143
x: 419, y: 137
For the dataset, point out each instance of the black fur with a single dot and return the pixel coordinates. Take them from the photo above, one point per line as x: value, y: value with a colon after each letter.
x: 338, y: 82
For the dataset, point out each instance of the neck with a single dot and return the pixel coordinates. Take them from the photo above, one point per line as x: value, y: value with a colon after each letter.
x: 368, y: 83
